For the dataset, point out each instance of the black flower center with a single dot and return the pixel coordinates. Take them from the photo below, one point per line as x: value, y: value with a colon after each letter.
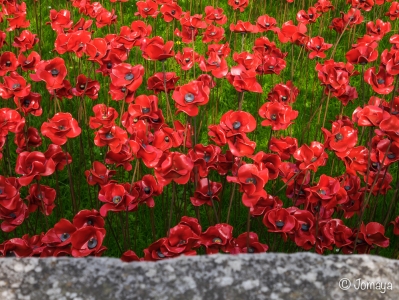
x: 146, y: 9
x: 172, y: 12
x: 8, y: 63
x: 160, y: 254
x: 322, y: 192
x: 92, y: 243
x: 109, y: 135
x: 123, y: 89
x: 26, y: 102
x: 314, y: 158
x: 271, y: 67
x: 90, y: 222
x: 284, y: 98
x: 267, y: 24
x: 250, y: 180
x: 64, y: 236
x: 145, y: 110
x: 217, y: 240
x: 147, y: 190
x: 273, y: 117
x: 207, y: 157
x: 338, y: 137
x: 280, y: 224
x: 380, y: 81
x: 166, y: 139
x: 318, y: 47
x: 251, y: 250
x: 129, y: 76
x: 54, y: 72
x: 347, y: 187
x: 116, y: 199
x: 213, y: 33
x: 311, y: 16
x: 375, y: 165
x: 61, y: 127
x: 391, y: 155
x: 109, y: 65
x: 82, y: 86
x: 189, y: 97
x: 305, y: 227
x: 237, y: 125
x: 10, y: 254
x: 16, y: 86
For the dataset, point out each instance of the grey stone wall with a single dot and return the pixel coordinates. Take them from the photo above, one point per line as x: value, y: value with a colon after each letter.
x: 260, y: 276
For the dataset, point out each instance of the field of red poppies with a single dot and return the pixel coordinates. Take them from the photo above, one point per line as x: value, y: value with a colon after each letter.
x: 151, y: 129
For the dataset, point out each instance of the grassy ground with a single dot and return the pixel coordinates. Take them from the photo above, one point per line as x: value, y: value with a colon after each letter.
x: 223, y: 98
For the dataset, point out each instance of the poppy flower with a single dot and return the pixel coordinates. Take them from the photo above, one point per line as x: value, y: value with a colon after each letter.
x: 378, y: 29
x: 381, y: 82
x: 8, y: 63
x: 61, y: 127
x: 243, y: 80
x: 290, y: 32
x: 246, y: 243
x: 87, y: 241
x: 28, y: 63
x: 105, y: 18
x: 148, y: 188
x: 59, y: 157
x: 238, y: 4
x: 188, y: 96
x: 87, y: 217
x: 342, y: 136
x: 352, y: 17
x: 277, y: 114
x: 370, y: 115
x: 174, y: 167
x: 206, y: 192
x: 222, y: 50
x: 157, y: 251
x: 309, y: 16
x: 14, y: 86
x: 42, y: 197
x: 323, y: 5
x: 15, y: 247
x: 28, y: 139
x: 111, y: 136
x: 117, y: 197
x: 156, y: 49
x: 96, y: 49
x: 305, y: 233
x: 268, y: 161
x: 284, y: 146
x: 393, y: 12
x: 250, y: 178
x: 243, y: 27
x: 373, y: 234
x: 120, y: 159
x: 147, y: 8
x: 60, y: 234
x: 311, y: 157
x: 60, y: 20
x: 237, y: 123
x: 25, y: 41
x: 395, y: 223
x: 82, y: 24
x: 19, y: 20
x: 215, y: 64
x: 128, y: 76
x: 248, y: 60
x: 266, y: 23
x: 171, y: 11
x: 215, y: 15
x: 317, y: 47
x: 286, y: 93
x: 217, y: 238
x: 213, y: 34
x: 158, y: 81
x: 104, y: 116
x: 187, y: 58
x: 53, y: 72
x: 165, y: 138
x: 361, y: 55
x: 378, y: 181
x: 188, y: 34
x: 184, y: 238
x: 280, y: 220
x: 328, y: 192
x: 386, y: 156
x: 32, y: 165
x: 338, y: 25
x: 99, y: 174
x: 86, y: 86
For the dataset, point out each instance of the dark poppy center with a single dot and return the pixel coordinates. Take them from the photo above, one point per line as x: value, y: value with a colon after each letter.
x: 16, y: 86
x: 237, y: 2
x: 237, y: 125
x: 26, y: 102
x: 217, y: 240
x: 145, y: 110
x: 166, y: 139
x: 1, y: 191
x: 54, y: 72
x: 318, y: 47
x: 311, y: 16
x: 61, y: 127
x: 26, y: 62
x: 123, y: 89
x: 207, y: 157
x: 391, y: 155
x: 92, y: 243
x: 116, y: 199
x: 187, y: 59
x: 347, y: 187
x: 109, y: 65
x: 12, y: 215
x: 380, y: 81
x: 189, y: 97
x: 209, y: 193
x: 271, y: 67
x: 172, y: 12
x: 250, y: 180
x: 109, y: 135
x: 90, y: 222
x: 82, y: 86
x: 284, y: 98
x: 280, y: 224
x: 64, y: 236
x: 375, y: 165
x: 314, y: 158
x: 213, y: 33
x: 147, y: 190
x: 129, y: 76
x: 135, y: 120
x: 146, y: 9
x: 160, y: 254
x: 305, y: 227
x: 8, y: 63
x: 273, y: 117
x: 10, y: 254
x: 267, y: 24
x: 339, y: 137
x: 251, y: 250
x: 322, y: 192
x: 97, y: 54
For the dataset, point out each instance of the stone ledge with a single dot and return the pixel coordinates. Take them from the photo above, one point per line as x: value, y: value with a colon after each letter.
x: 257, y: 276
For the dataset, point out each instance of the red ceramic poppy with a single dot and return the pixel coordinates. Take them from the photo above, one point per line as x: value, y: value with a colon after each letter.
x: 99, y: 174
x: 316, y: 46
x: 120, y: 159
x: 243, y: 80
x: 42, y: 197
x: 365, y: 5
x: 158, y: 81
x: 8, y: 62
x: 290, y: 32
x: 117, y: 197
x: 243, y: 27
x: 361, y: 55
x: 60, y: 20
x: 147, y: 8
x: 82, y: 24
x: 373, y: 234
x: 15, y: 247
x: 309, y: 16
x: 284, y: 146
x: 215, y: 64
x: 352, y: 18
x: 88, y: 218
x: 342, y: 137
x: 156, y: 49
x: 87, y: 241
x: 171, y: 11
x: 187, y: 58
x: 61, y: 127
x: 204, y: 158
x: 103, y: 116
x: 52, y: 72
x: 32, y: 165
x: 266, y: 23
x: 14, y: 86
x: 112, y: 136
x: 129, y: 256
x: 277, y: 114
x: 311, y: 157
x: 105, y: 18
x: 248, y: 60
x: 25, y: 41
x: 250, y: 178
x: 324, y: 5
x: 128, y: 76
x: 215, y: 15
x: 217, y: 238
x: 28, y: 63
x: 381, y: 82
x: 27, y: 139
x: 148, y: 188
x: 280, y: 220
x: 246, y: 243
x: 207, y: 191
x: 86, y: 86
x: 175, y: 167
x: 378, y: 29
x: 393, y: 12
x: 60, y: 234
x: 188, y: 96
